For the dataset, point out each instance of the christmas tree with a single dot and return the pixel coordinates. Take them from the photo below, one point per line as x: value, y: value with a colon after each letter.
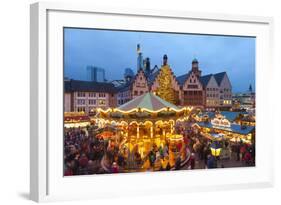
x: 165, y: 89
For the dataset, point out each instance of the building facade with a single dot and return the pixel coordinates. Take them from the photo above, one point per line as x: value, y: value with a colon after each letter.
x: 191, y: 87
x: 245, y: 100
x: 225, y: 90
x: 85, y: 96
x: 211, y: 88
x: 139, y: 84
x: 212, y: 91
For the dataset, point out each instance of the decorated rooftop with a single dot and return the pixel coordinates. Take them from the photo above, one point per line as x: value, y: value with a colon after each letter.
x: 243, y: 130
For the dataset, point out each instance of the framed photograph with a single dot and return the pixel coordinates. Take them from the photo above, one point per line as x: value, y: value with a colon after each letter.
x: 131, y: 102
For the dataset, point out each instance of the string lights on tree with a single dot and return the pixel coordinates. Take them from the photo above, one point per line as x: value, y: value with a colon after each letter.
x: 165, y: 89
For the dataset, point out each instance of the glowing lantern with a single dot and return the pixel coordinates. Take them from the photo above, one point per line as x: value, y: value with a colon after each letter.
x: 215, y: 149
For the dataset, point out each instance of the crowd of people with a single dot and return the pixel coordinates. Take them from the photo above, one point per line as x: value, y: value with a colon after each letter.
x: 230, y: 152
x: 85, y: 153
x: 82, y: 153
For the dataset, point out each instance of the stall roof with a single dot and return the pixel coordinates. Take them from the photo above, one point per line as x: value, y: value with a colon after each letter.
x: 233, y: 128
x: 229, y: 115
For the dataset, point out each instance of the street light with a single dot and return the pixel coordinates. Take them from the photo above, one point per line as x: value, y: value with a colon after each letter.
x: 215, y: 148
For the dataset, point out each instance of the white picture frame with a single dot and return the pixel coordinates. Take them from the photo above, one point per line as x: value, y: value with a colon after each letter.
x: 46, y: 179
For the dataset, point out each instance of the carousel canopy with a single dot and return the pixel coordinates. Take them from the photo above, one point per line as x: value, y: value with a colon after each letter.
x: 148, y: 101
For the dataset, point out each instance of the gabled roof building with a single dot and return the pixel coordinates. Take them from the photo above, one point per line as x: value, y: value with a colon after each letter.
x: 211, y: 91
x: 84, y: 96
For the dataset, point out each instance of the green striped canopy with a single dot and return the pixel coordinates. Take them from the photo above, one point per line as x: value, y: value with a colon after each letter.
x: 148, y: 101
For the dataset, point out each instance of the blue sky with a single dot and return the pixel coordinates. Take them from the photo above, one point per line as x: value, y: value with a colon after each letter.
x: 116, y: 50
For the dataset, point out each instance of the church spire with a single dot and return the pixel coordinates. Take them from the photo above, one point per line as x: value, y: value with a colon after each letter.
x: 165, y: 60
x: 139, y: 59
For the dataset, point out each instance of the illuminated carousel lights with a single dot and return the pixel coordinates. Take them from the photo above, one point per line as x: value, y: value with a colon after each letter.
x: 143, y: 110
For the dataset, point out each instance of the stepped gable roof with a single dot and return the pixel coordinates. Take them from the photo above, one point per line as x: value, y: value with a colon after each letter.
x: 88, y: 86
x: 147, y: 101
x: 219, y: 77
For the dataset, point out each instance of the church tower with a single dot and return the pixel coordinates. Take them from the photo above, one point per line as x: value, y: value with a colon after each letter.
x: 146, y: 65
x: 195, y: 68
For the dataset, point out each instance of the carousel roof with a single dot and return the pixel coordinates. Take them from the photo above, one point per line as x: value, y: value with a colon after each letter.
x: 148, y: 101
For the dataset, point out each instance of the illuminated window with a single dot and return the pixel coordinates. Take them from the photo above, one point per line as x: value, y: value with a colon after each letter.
x: 101, y: 102
x: 81, y: 109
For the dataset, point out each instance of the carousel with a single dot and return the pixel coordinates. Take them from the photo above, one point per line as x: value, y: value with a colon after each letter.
x: 147, y: 124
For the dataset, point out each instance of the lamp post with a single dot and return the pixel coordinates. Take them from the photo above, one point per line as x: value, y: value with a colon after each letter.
x: 216, y: 149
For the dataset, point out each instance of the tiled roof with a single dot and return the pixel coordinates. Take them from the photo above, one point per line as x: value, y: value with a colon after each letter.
x: 219, y: 77
x: 152, y: 76
x: 88, y: 86
x: 67, y: 86
x: 205, y: 79
x: 182, y: 78
x: 233, y: 128
x: 124, y: 87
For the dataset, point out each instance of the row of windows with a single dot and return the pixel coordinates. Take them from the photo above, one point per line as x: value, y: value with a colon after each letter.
x: 226, y: 89
x: 192, y: 81
x: 227, y: 102
x: 193, y: 92
x: 138, y: 92
x: 192, y: 86
x: 81, y: 109
x: 212, y: 95
x: 141, y: 84
x: 193, y: 101
x: 212, y: 102
x: 125, y: 94
x: 212, y: 89
x: 91, y: 102
x: 122, y: 101
x: 81, y: 102
x: 91, y: 94
x: 227, y: 96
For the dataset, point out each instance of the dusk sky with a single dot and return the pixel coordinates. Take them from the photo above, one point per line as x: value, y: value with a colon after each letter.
x: 116, y: 50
